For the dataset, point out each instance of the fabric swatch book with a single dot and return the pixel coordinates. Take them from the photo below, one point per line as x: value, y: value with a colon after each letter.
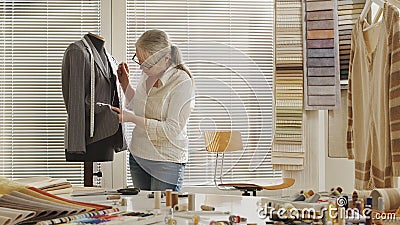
x: 34, y: 204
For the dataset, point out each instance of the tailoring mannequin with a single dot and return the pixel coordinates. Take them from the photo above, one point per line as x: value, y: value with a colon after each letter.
x: 107, y: 137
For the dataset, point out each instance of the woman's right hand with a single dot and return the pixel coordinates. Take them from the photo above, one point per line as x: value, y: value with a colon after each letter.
x: 123, y: 74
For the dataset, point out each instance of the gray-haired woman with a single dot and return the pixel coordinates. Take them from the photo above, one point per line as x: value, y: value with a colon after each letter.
x: 160, y: 107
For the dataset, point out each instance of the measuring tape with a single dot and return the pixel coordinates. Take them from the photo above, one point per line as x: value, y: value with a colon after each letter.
x: 92, y: 87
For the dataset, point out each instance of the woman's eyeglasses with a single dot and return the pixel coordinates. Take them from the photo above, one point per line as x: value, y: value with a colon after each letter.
x: 145, y: 64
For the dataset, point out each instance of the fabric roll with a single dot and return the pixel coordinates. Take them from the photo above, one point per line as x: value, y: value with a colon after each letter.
x: 391, y: 198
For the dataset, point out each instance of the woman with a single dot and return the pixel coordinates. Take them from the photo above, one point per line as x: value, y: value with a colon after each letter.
x: 160, y: 107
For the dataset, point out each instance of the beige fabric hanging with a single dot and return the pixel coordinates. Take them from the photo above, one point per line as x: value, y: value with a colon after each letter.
x: 373, y: 133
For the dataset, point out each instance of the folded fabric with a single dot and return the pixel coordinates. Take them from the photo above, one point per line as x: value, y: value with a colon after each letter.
x: 321, y: 53
x: 320, y: 25
x: 325, y: 43
x: 321, y: 90
x: 321, y: 71
x: 319, y: 5
x: 320, y: 62
x: 321, y: 81
x: 322, y: 100
x: 320, y: 15
x: 320, y: 34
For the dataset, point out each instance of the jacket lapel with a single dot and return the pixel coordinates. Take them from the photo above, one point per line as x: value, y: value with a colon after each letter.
x: 97, y: 59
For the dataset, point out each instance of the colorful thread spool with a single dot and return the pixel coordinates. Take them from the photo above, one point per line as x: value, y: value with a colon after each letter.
x: 168, y: 197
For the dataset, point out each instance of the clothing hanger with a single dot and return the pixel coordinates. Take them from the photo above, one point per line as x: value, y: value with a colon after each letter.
x: 395, y: 3
x: 367, y: 8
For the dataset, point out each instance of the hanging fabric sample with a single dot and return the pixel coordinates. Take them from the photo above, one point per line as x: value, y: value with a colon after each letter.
x: 348, y: 12
x: 287, y: 148
x: 321, y: 84
x: 373, y: 131
x: 92, y: 130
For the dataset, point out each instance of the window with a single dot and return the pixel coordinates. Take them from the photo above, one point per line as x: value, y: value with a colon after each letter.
x: 228, y: 46
x: 33, y: 38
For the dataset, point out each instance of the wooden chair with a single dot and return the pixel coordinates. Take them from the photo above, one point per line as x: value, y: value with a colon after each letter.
x: 221, y: 142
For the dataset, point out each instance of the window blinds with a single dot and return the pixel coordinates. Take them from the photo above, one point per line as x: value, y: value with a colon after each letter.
x: 228, y: 45
x: 33, y: 38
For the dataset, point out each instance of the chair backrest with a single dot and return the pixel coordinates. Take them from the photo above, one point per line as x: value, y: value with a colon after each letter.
x: 223, y: 141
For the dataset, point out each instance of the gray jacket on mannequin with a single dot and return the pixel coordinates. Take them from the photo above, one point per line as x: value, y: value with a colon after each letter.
x: 76, y: 72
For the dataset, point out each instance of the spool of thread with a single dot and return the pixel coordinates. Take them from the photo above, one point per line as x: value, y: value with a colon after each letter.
x: 301, y: 197
x: 124, y: 202
x: 113, y: 197
x: 181, y: 207
x: 207, y: 208
x: 157, y: 199
x: 314, y: 198
x: 354, y: 198
x: 172, y: 221
x: 174, y: 199
x: 341, y: 216
x: 237, y: 219
x: 358, y: 206
x: 381, y: 204
x: 335, y: 193
x: 329, y: 212
x: 309, y: 193
x: 362, y: 204
x: 168, y: 197
x: 191, y: 202
x: 368, y: 214
x: 368, y: 201
x: 196, y: 219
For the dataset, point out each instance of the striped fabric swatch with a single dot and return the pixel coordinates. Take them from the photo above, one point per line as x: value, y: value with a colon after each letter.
x: 321, y: 85
x: 287, y: 148
x: 348, y: 11
x: 66, y: 219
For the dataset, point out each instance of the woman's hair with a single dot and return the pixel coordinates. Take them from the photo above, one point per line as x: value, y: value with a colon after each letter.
x: 153, y: 41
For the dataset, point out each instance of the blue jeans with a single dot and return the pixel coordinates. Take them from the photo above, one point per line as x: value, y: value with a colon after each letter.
x: 156, y: 175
